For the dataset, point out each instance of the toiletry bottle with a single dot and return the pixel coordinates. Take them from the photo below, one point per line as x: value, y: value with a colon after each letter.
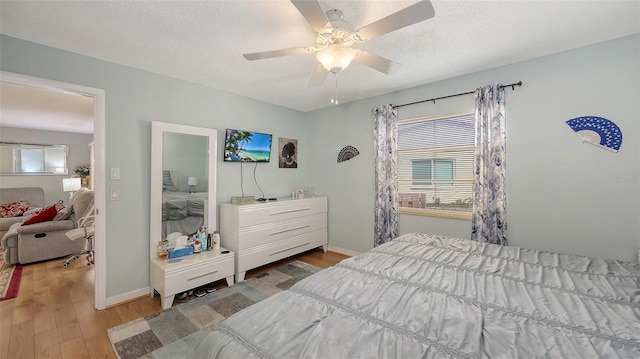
x: 216, y: 241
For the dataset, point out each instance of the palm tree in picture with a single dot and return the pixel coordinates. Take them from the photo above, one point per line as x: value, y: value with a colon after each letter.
x: 243, y: 136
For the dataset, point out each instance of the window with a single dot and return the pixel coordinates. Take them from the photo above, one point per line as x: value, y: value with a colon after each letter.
x: 426, y: 170
x: 435, y: 166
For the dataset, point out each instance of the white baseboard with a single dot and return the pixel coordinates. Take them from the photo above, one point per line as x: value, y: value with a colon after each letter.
x: 346, y: 252
x: 125, y: 297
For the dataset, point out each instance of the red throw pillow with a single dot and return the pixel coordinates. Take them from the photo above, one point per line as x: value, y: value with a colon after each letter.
x: 14, y: 209
x: 46, y: 214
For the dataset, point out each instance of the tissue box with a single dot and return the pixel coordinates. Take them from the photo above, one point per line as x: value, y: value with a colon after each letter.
x: 175, y: 253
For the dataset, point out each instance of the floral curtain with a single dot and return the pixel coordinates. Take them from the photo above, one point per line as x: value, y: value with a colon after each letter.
x: 489, y: 217
x: 386, y: 177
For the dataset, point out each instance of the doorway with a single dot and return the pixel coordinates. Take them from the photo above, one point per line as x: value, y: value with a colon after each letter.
x: 98, y: 96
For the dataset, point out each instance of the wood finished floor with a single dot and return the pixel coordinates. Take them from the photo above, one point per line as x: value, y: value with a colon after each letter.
x: 53, y: 314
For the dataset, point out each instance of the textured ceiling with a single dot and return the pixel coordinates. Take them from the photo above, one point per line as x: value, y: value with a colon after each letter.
x: 203, y: 41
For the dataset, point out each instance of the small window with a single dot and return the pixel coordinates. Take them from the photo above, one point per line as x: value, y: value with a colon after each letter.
x: 427, y: 170
x: 435, y: 166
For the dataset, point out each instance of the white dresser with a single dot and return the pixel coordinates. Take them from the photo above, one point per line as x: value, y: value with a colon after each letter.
x: 261, y: 233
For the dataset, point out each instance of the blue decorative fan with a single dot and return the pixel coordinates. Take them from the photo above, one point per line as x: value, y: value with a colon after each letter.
x: 598, y: 131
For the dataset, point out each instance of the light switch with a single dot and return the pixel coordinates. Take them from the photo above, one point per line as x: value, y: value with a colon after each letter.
x: 115, y: 173
x: 115, y: 194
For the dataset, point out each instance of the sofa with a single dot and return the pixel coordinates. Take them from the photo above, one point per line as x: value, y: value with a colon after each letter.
x: 47, y: 240
x: 33, y: 195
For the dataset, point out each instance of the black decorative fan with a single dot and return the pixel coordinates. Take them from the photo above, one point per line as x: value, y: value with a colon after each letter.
x: 347, y: 153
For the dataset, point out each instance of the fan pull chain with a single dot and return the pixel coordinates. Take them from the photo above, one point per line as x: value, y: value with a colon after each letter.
x: 335, y: 100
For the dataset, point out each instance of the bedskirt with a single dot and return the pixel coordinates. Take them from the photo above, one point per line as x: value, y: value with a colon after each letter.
x: 425, y: 296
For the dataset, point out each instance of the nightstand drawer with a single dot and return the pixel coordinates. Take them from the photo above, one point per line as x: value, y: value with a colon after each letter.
x: 272, y: 232
x: 199, y: 274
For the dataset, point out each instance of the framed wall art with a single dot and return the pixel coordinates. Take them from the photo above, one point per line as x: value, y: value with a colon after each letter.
x: 288, y: 153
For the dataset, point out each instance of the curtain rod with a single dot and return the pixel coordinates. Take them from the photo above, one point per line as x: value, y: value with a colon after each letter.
x: 513, y: 87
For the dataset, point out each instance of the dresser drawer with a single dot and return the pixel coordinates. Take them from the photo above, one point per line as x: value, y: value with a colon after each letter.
x: 260, y: 255
x: 198, y: 274
x: 251, y: 215
x: 250, y: 237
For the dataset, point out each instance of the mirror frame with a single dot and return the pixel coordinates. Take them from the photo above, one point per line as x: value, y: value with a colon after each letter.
x: 35, y: 146
x: 158, y: 129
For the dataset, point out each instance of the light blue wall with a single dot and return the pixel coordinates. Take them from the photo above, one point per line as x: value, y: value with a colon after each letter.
x: 134, y: 98
x: 178, y: 146
x: 563, y: 195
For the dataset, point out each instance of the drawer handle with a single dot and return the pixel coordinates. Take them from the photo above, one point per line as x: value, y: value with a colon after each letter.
x: 292, y: 211
x: 289, y: 230
x: 203, y: 275
x: 288, y: 249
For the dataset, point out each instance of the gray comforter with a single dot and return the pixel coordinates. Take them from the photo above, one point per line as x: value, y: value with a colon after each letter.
x: 422, y: 296
x: 178, y: 205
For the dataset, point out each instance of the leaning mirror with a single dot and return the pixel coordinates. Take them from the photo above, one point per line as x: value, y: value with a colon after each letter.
x: 33, y: 159
x: 183, y: 180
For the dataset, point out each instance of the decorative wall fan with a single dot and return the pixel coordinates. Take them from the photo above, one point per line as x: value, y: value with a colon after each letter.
x: 335, y: 38
x: 347, y: 153
x: 598, y: 131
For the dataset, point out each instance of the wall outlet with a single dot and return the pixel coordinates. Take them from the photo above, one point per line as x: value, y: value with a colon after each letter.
x: 115, y: 194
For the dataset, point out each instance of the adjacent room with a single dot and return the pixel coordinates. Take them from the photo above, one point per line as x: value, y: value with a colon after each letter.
x: 322, y: 179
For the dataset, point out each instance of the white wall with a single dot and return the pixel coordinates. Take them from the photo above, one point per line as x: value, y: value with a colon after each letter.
x: 134, y: 99
x: 51, y: 184
x: 562, y: 195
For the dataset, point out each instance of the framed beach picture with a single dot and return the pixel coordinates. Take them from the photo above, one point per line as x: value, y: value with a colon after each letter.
x: 288, y: 153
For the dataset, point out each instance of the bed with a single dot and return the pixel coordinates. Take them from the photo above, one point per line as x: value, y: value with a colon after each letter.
x: 425, y: 296
x: 182, y: 212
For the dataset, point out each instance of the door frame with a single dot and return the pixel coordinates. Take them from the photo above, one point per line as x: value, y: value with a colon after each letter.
x: 99, y: 240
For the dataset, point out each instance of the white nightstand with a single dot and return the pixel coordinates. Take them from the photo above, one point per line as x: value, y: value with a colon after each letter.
x: 170, y: 278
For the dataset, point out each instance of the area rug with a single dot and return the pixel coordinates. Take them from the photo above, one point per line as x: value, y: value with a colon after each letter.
x: 10, y: 276
x: 174, y: 332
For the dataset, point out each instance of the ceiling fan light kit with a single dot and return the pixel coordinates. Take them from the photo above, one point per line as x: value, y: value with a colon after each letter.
x: 335, y: 38
x: 336, y: 58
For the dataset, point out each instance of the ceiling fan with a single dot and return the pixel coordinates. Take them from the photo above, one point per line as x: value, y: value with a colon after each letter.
x: 335, y: 38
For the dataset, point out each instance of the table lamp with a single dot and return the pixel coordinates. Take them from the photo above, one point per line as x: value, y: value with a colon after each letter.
x: 71, y: 185
x: 192, y: 182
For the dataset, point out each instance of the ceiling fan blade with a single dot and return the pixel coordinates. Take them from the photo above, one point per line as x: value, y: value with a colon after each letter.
x: 312, y: 12
x: 376, y: 62
x: 275, y: 53
x: 319, y: 76
x: 410, y: 15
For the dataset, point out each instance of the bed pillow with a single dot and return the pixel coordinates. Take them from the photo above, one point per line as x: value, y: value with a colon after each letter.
x: 14, y: 209
x: 167, y: 182
x: 45, y: 214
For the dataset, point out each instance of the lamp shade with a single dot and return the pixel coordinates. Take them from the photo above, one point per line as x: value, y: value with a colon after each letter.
x: 336, y: 58
x: 71, y: 184
x: 192, y: 181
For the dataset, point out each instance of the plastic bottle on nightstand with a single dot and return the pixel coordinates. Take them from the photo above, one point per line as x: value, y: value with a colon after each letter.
x: 215, y: 241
